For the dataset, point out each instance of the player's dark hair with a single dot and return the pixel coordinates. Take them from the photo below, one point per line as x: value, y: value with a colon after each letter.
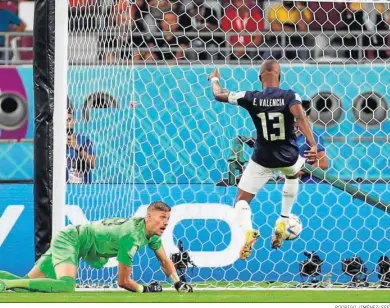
x: 159, y: 206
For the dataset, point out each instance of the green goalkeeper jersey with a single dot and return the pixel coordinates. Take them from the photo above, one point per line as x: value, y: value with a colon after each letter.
x: 114, y: 237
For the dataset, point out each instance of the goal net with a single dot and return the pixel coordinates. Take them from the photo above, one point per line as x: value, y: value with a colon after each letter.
x: 150, y: 130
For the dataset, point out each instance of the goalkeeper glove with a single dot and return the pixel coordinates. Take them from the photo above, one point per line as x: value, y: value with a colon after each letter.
x: 153, y: 287
x: 183, y: 287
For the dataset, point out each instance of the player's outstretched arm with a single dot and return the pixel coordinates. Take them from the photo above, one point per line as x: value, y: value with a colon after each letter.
x: 125, y: 282
x: 219, y: 93
x: 304, y: 127
x: 169, y: 269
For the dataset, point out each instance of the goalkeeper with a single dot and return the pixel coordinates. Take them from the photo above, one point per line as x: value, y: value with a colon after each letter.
x: 56, y: 270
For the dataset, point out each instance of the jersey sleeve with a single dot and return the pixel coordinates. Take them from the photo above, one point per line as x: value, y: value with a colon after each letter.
x: 127, y: 250
x: 13, y: 18
x: 294, y: 99
x: 155, y: 243
x: 243, y: 98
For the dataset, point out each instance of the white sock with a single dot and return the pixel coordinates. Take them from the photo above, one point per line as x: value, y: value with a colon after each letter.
x: 290, y: 192
x: 244, y: 215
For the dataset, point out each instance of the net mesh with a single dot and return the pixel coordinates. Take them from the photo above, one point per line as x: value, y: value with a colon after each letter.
x: 143, y: 126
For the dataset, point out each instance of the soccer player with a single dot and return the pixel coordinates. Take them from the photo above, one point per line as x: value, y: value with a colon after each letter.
x: 274, y: 112
x: 96, y: 242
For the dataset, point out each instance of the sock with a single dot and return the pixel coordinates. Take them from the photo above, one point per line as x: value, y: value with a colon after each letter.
x: 244, y: 214
x: 65, y: 284
x: 290, y: 192
x: 7, y: 275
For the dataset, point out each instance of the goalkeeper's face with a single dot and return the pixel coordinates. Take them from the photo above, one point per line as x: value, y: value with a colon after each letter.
x: 158, y: 221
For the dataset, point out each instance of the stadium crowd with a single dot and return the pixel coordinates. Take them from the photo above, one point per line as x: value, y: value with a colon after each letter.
x: 174, y: 30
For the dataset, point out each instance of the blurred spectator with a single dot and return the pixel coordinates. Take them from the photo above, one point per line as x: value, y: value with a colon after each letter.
x: 327, y: 16
x: 290, y: 17
x: 355, y: 39
x: 157, y: 8
x: 124, y: 38
x: 169, y: 45
x: 202, y: 16
x: 376, y: 17
x: 364, y: 23
x: 82, y: 15
x: 204, y: 21
x: 382, y: 14
x: 9, y: 22
x: 238, y: 20
x: 79, y: 154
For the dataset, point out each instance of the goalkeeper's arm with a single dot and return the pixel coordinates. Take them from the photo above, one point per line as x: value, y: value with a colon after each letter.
x: 125, y: 282
x: 169, y: 269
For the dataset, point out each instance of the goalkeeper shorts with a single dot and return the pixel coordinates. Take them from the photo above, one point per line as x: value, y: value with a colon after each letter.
x: 64, y: 248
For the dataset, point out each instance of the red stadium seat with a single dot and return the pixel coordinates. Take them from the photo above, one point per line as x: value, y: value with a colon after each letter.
x: 26, y: 41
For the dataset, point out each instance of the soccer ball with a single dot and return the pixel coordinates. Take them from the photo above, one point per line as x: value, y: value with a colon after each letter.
x: 294, y: 228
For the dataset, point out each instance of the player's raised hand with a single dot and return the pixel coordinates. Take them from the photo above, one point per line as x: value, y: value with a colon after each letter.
x: 311, y: 154
x: 183, y: 287
x: 215, y: 73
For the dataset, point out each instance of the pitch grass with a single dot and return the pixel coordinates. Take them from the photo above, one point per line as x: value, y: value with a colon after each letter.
x: 228, y: 296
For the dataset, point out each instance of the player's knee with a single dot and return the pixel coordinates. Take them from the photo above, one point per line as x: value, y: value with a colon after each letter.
x: 69, y: 284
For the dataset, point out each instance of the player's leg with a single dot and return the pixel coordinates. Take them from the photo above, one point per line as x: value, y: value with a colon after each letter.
x: 59, y: 265
x: 34, y: 273
x: 64, y: 283
x: 9, y: 276
x: 243, y: 211
x: 252, y: 180
x: 289, y: 195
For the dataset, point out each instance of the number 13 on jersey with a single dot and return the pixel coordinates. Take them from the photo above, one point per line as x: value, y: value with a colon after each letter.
x: 277, y: 120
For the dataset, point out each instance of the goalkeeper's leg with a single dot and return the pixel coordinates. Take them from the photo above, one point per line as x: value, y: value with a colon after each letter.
x: 65, y: 282
x: 252, y: 180
x: 55, y: 271
x: 9, y: 276
x: 34, y: 273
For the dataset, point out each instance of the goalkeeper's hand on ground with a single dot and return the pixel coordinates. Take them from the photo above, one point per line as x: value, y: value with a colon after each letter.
x: 153, y: 287
x: 183, y: 287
